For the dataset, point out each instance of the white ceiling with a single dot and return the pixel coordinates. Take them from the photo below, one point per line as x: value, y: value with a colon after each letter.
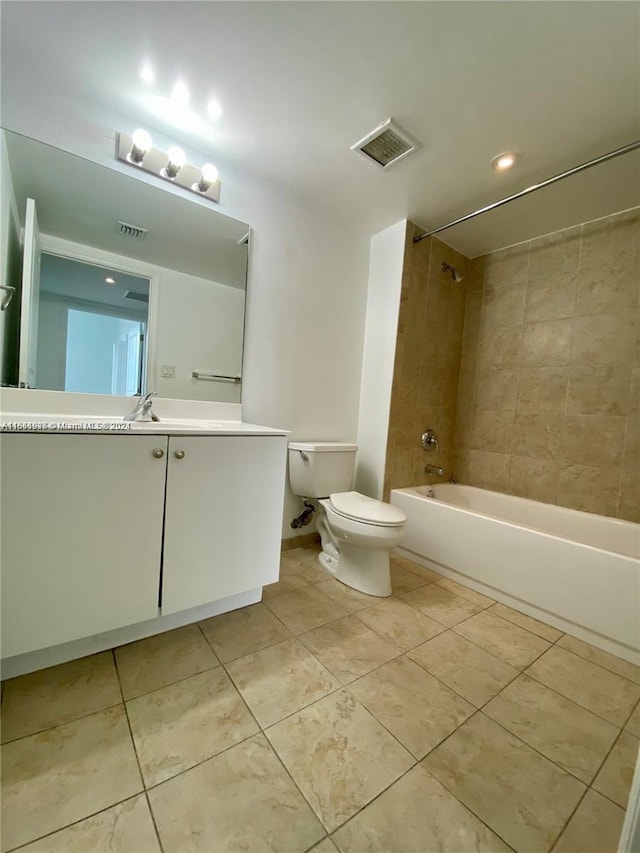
x: 66, y: 277
x: 299, y: 82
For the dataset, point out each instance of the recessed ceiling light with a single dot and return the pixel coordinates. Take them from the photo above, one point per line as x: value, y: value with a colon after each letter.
x: 147, y: 74
x: 505, y: 161
x: 214, y: 110
x: 110, y: 280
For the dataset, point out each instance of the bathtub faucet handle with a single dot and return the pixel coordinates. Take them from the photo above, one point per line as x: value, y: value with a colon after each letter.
x: 429, y: 441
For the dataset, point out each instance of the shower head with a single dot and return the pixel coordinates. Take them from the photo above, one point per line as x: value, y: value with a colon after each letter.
x: 455, y: 274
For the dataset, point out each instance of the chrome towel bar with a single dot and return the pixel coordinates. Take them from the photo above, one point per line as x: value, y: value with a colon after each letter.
x: 215, y: 377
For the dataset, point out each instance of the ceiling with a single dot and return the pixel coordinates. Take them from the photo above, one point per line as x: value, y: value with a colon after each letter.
x: 300, y: 82
x: 66, y: 277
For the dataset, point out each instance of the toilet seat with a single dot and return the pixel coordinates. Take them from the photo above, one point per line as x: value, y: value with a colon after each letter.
x: 357, y: 507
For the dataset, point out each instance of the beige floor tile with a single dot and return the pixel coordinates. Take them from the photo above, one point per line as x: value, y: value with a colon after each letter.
x: 58, y: 694
x: 349, y: 599
x: 403, y: 580
x: 277, y: 588
x: 503, y: 639
x: 465, y: 667
x: 304, y: 609
x: 303, y: 563
x: 526, y: 622
x: 280, y: 680
x: 339, y: 756
x: 441, y: 605
x: 594, y: 828
x: 466, y: 593
x: 242, y: 632
x: 522, y: 796
x: 600, y: 657
x: 614, y: 780
x: 348, y: 648
x: 157, y: 661
x: 633, y: 725
x: 401, y: 624
x: 596, y: 689
x: 125, y: 828
x: 185, y: 723
x: 572, y: 737
x: 60, y: 776
x: 396, y: 561
x: 325, y: 846
x: 413, y: 705
x: 417, y: 815
x: 256, y: 807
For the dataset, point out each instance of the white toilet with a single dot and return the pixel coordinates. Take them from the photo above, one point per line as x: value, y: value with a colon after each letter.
x: 356, y: 531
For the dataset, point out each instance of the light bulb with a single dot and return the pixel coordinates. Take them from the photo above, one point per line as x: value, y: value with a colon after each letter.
x: 141, y: 144
x: 209, y: 176
x: 177, y: 159
x: 110, y: 280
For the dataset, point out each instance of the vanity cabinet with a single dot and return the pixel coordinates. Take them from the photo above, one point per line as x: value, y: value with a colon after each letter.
x: 101, y: 532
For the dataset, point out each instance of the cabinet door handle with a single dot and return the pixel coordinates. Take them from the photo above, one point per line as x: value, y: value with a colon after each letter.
x: 179, y: 454
x: 158, y: 453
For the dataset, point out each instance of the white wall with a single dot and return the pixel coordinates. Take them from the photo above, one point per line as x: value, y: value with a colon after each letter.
x: 10, y: 269
x: 383, y: 304
x: 308, y: 268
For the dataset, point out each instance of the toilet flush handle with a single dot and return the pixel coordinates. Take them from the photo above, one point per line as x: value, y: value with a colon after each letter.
x: 303, y: 456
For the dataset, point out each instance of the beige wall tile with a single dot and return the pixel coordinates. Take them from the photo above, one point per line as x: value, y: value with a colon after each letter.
x: 598, y: 390
x: 547, y: 343
x: 496, y: 390
x: 594, y: 440
x: 542, y: 389
x: 538, y: 435
x: 604, y: 339
x: 503, y: 306
x: 500, y: 348
x: 508, y: 266
x: 556, y: 253
x: 475, y: 280
x: 609, y: 238
x: 589, y: 488
x: 551, y: 297
x: 536, y: 479
x: 489, y: 470
x: 492, y: 431
x: 612, y: 287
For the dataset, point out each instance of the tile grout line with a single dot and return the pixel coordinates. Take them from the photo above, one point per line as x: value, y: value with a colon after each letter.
x: 135, y: 752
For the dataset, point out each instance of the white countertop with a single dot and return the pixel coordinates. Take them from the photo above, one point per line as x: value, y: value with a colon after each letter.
x: 34, y: 423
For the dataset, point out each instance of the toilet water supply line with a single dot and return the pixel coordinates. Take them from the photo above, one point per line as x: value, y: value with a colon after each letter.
x: 305, y: 517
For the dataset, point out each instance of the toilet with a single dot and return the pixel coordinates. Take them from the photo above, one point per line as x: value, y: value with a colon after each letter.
x: 356, y: 532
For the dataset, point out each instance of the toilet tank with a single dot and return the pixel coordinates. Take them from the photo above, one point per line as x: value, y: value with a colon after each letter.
x: 321, y: 468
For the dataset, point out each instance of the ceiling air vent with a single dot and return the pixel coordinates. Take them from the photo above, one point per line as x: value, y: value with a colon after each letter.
x: 387, y: 144
x: 137, y: 295
x: 133, y: 231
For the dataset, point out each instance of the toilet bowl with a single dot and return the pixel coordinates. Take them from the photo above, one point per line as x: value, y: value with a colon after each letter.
x: 356, y: 531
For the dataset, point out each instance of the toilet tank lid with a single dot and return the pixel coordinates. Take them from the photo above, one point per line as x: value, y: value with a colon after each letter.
x: 322, y: 446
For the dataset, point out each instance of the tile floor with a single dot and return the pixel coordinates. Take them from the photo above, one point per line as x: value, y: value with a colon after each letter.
x: 323, y: 719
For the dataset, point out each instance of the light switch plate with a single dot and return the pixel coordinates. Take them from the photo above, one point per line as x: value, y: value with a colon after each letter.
x: 168, y: 371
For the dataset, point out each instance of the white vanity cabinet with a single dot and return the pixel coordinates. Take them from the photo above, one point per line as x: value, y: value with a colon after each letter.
x: 104, y: 531
x: 81, y: 541
x: 223, y: 517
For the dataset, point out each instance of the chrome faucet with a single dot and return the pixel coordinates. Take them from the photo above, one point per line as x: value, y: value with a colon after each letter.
x: 433, y: 469
x: 142, y: 410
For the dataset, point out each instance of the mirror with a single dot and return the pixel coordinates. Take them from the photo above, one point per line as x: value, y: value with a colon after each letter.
x: 126, y: 288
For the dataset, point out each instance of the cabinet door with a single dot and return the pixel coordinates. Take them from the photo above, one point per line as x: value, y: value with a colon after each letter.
x: 223, y: 517
x: 81, y: 535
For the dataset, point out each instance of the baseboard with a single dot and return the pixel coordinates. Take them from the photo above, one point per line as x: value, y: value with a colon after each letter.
x: 303, y: 541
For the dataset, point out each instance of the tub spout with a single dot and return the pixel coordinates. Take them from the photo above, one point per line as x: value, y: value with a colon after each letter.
x: 433, y: 469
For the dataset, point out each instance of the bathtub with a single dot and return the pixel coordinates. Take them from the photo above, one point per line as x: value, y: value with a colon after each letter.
x: 574, y: 570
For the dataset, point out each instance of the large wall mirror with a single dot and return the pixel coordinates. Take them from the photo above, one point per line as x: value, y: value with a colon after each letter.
x: 125, y: 288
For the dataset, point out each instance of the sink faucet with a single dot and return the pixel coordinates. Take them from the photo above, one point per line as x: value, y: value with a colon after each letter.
x: 433, y: 469
x: 142, y: 410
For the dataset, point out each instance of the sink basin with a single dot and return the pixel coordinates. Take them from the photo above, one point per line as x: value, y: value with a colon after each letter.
x: 176, y: 425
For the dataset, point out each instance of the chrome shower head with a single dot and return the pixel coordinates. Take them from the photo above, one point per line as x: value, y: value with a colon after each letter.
x: 456, y: 275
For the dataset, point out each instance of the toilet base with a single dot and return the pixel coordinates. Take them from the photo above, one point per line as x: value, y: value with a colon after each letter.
x: 364, y: 569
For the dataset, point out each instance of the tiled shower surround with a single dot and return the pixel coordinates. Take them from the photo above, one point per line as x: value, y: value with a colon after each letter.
x: 548, y: 386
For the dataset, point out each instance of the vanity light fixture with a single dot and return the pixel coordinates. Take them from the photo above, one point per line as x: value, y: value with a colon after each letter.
x: 140, y: 144
x: 171, y: 165
x: 504, y: 161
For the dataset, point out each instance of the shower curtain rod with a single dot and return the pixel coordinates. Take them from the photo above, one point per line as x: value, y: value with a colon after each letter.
x: 603, y: 159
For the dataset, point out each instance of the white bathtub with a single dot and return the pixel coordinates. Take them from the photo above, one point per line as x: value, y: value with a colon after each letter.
x: 576, y: 571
